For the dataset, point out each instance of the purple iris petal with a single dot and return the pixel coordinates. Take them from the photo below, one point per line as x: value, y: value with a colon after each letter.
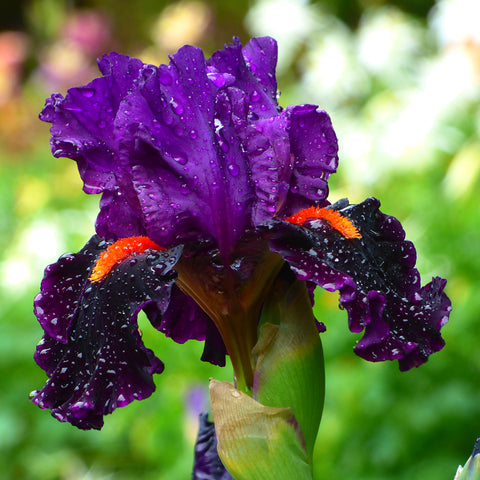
x: 194, y: 149
x: 94, y: 357
x: 83, y: 129
x: 379, y: 286
x: 184, y: 320
x: 207, y: 464
x: 186, y: 163
x: 83, y: 121
x: 251, y: 71
x: 314, y: 148
x: 62, y: 288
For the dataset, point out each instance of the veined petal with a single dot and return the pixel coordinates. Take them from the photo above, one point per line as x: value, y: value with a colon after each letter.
x: 83, y: 129
x: 379, y: 286
x: 93, y: 353
x: 186, y: 162
x: 196, y: 149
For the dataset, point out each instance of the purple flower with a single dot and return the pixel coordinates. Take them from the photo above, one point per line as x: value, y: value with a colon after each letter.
x: 207, y: 464
x: 208, y: 188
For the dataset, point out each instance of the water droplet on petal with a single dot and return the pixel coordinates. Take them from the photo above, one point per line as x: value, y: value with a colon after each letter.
x: 32, y: 394
x: 177, y: 107
x: 87, y: 92
x: 233, y: 169
x: 178, y: 130
x: 181, y: 159
x: 217, y: 79
x: 271, y: 208
x: 255, y: 96
x: 193, y: 134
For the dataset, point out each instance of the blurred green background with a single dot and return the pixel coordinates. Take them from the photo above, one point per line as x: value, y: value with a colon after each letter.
x: 401, y: 81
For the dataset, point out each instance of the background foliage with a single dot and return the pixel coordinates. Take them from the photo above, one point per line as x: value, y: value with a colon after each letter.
x: 401, y: 81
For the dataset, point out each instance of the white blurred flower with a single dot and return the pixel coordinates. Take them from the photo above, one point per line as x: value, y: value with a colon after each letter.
x: 388, y: 42
x: 38, y: 244
x: 456, y: 21
x: 332, y: 73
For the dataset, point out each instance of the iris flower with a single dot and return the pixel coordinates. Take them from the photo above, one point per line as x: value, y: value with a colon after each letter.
x: 209, y: 191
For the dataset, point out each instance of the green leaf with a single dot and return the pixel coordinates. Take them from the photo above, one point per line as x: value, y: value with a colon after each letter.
x: 256, y: 442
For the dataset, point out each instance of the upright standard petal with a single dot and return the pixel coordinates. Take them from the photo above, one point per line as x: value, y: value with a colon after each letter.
x: 197, y: 149
x: 187, y: 165
x: 92, y: 351
x: 374, y: 272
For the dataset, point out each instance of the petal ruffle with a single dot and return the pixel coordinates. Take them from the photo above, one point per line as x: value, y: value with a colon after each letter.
x: 250, y: 70
x: 83, y: 121
x: 92, y: 351
x: 83, y: 129
x: 379, y: 286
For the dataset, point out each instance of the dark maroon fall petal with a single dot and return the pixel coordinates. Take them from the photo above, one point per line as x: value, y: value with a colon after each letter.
x: 96, y: 360
x: 375, y: 275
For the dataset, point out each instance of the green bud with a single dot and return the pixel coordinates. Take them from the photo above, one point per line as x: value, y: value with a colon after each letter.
x: 471, y: 470
x: 272, y: 435
x: 256, y: 442
x: 289, y: 368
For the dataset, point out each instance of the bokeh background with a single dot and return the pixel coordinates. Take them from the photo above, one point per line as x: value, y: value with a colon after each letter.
x: 401, y: 81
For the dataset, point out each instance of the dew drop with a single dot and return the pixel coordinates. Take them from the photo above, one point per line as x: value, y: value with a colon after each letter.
x: 88, y: 92
x: 217, y: 79
x: 271, y: 208
x: 33, y: 394
x: 178, y: 130
x: 181, y: 159
x: 255, y: 96
x: 177, y: 107
x: 233, y: 169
